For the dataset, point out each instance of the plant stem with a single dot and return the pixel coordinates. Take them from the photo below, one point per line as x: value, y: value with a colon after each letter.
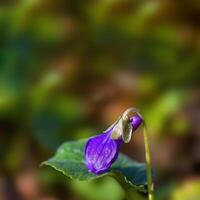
x: 131, y: 193
x: 148, y: 165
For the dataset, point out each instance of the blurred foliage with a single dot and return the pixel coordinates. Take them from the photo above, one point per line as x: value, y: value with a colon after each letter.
x: 68, y: 68
x: 107, y: 189
x: 187, y: 191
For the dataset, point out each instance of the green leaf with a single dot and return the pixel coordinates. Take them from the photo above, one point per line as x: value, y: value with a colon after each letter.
x: 69, y: 160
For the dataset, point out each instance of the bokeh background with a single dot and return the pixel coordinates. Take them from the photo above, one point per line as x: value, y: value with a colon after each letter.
x: 69, y: 68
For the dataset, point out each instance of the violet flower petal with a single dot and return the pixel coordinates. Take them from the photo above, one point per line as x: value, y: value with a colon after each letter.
x: 136, y: 121
x: 100, y: 152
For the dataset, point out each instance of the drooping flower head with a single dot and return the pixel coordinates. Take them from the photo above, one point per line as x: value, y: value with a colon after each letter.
x: 102, y: 150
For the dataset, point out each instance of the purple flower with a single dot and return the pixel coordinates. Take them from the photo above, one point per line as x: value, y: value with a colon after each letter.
x: 102, y: 150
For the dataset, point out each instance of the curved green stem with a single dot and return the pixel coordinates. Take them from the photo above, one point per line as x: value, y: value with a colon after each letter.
x: 148, y: 165
x: 131, y: 193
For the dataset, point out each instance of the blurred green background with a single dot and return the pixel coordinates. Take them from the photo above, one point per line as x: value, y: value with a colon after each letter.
x: 69, y: 68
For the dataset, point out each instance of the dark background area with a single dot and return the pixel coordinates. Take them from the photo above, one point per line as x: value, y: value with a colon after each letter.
x: 68, y: 69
